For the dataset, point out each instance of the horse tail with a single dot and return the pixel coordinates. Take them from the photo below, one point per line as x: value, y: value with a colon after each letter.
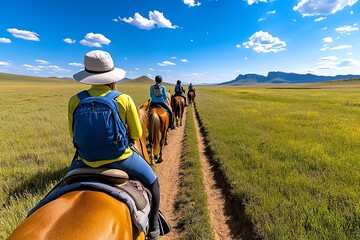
x: 154, y: 132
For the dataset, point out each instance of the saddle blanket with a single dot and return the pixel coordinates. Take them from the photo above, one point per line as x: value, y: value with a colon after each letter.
x: 136, y: 199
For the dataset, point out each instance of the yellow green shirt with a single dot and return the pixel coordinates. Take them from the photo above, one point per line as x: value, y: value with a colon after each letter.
x: 128, y: 114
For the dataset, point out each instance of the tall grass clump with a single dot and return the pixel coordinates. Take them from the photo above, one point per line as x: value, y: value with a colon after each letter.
x: 191, y: 200
x: 291, y: 156
x: 35, y: 144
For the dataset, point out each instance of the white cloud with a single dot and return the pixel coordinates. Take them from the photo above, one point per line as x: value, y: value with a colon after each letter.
x: 24, y: 34
x: 340, y: 47
x: 184, y: 60
x: 136, y: 69
x: 69, y: 40
x: 76, y: 64
x: 261, y: 19
x: 166, y: 63
x: 327, y: 39
x: 191, y: 3
x: 5, y: 40
x: 151, y: 69
x: 271, y: 12
x: 95, y: 40
x: 351, y: 12
x: 250, y: 2
x: 40, y: 61
x: 325, y: 7
x: 53, y: 68
x: 173, y: 57
x: 265, y: 42
x: 333, y: 62
x: 238, y: 46
x: 2, y: 64
x: 319, y: 19
x: 347, y: 29
x: 156, y: 19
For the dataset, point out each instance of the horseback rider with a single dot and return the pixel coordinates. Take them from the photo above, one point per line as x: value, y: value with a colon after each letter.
x: 180, y: 91
x: 101, y: 74
x: 191, y: 89
x: 159, y: 96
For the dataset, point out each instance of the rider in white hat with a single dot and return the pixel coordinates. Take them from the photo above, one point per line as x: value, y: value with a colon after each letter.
x: 101, y: 73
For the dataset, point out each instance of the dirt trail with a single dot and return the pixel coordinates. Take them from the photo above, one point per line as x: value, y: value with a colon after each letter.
x: 219, y: 206
x: 168, y: 174
x: 216, y: 202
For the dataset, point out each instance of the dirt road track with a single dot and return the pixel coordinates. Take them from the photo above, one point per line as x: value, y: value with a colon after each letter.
x: 226, y: 226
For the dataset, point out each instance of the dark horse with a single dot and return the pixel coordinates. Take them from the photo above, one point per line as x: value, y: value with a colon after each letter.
x: 178, y: 106
x: 191, y: 96
x: 84, y: 214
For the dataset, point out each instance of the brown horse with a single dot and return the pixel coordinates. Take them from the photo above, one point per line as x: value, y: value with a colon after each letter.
x: 140, y: 145
x: 84, y: 214
x: 158, y: 132
x: 191, y: 96
x: 178, y: 106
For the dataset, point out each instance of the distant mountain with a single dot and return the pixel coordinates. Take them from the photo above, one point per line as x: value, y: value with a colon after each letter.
x: 139, y: 80
x: 283, y: 77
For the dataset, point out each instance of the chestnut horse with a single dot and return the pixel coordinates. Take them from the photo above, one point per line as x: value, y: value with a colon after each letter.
x: 158, y: 131
x: 178, y: 106
x: 84, y: 214
x: 191, y: 96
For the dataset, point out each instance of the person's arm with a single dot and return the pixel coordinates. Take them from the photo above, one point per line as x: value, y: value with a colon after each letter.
x: 132, y: 120
x: 164, y: 93
x: 151, y: 92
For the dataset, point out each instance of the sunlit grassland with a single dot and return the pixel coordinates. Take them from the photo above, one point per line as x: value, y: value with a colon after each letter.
x: 292, y: 157
x: 35, y: 145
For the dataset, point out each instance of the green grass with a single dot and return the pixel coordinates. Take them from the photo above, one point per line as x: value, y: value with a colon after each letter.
x: 292, y: 157
x: 191, y: 200
x: 35, y: 145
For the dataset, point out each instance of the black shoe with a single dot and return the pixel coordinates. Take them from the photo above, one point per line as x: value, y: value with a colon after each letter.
x: 172, y: 127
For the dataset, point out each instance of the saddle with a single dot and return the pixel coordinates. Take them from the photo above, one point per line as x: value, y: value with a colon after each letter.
x: 113, y: 182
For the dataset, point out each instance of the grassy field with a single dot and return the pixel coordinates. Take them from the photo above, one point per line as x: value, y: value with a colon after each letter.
x: 291, y: 156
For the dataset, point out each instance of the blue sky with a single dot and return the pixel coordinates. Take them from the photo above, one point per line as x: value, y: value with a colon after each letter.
x: 203, y: 41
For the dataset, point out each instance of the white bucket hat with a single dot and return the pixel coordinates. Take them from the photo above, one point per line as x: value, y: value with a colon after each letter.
x: 99, y: 69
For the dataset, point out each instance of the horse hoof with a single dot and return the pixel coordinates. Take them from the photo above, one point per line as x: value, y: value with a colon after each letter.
x: 159, y: 161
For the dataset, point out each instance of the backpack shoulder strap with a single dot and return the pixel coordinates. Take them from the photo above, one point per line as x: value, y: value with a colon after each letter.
x: 83, y: 94
x: 113, y: 94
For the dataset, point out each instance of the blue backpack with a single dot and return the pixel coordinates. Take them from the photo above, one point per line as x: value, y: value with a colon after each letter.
x: 99, y: 132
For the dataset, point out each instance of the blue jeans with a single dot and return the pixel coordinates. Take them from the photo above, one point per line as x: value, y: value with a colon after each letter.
x: 135, y: 166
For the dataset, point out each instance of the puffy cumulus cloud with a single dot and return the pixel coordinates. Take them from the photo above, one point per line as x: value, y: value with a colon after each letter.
x: 250, y: 2
x: 265, y: 42
x: 156, y: 19
x: 191, y: 3
x: 5, y: 40
x: 347, y: 29
x: 95, y: 40
x: 184, y: 60
x: 238, y: 46
x: 326, y: 7
x: 69, y: 40
x: 24, y: 34
x: 166, y: 63
x: 327, y: 39
x: 333, y: 62
x: 76, y: 64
